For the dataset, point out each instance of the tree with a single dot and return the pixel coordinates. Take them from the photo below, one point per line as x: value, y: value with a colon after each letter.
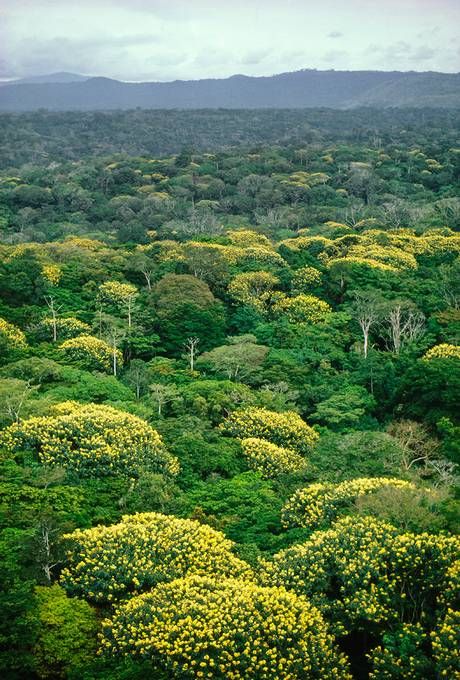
x: 93, y: 352
x: 64, y: 327
x: 123, y: 294
x: 219, y: 621
x: 318, y: 504
x: 162, y: 395
x: 141, y: 262
x: 303, y: 308
x: 238, y: 360
x: 175, y: 290
x: 253, y: 288
x: 12, y: 340
x: 305, y: 279
x: 271, y: 460
x: 403, y: 323
x: 365, y: 575
x: 442, y: 351
x: 51, y: 302
x: 137, y: 376
x: 191, y: 347
x: 91, y: 440
x: 283, y: 429
x: 344, y: 408
x: 162, y: 548
x: 365, y: 310
x: 67, y: 629
x: 14, y: 395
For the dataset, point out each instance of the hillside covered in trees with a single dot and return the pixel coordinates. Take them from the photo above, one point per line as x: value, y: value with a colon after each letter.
x: 297, y: 89
x: 229, y: 381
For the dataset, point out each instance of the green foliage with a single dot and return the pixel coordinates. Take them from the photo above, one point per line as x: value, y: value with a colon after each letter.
x: 218, y: 301
x: 66, y: 639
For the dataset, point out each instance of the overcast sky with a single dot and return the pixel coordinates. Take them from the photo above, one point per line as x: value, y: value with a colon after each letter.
x: 169, y: 39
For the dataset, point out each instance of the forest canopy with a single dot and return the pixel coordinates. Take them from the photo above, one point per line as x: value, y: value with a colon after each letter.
x: 229, y: 384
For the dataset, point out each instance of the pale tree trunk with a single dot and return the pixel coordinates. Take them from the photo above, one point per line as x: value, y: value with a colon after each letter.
x: 54, y: 310
x: 114, y: 356
x: 46, y: 561
x: 191, y: 346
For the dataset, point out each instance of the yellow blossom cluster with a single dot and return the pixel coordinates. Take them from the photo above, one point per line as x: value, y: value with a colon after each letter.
x: 285, y: 429
x: 445, y: 642
x: 91, y: 440
x: 364, y: 575
x: 311, y: 244
x: 84, y: 243
x: 303, y: 308
x: 269, y: 459
x: 253, y: 288
x: 245, y: 237
x: 93, y: 352
x: 116, y: 292
x: 258, y: 255
x: 198, y: 627
x: 12, y: 335
x: 442, y: 351
x: 68, y: 327
x: 305, y: 277
x: 348, y: 261
x: 384, y: 250
x: 52, y: 273
x: 391, y: 256
x: 229, y: 253
x: 107, y: 563
x: 319, y: 503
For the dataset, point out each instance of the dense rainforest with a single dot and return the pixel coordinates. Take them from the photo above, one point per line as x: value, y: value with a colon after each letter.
x: 229, y: 381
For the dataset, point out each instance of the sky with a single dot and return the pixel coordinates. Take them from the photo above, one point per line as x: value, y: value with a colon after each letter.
x: 188, y: 39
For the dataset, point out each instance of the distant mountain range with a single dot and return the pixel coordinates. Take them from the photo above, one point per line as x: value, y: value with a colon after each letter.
x: 300, y: 89
x: 60, y: 77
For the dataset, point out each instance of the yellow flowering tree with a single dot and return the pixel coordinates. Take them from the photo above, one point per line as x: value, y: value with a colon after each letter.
x: 245, y: 238
x: 258, y: 255
x: 121, y: 294
x: 305, y: 278
x: 302, y: 308
x: 284, y: 429
x: 445, y: 641
x: 319, y: 503
x: 91, y: 440
x: 65, y: 328
x: 387, y: 255
x: 269, y: 459
x: 107, y: 563
x: 94, y: 353
x: 11, y: 336
x: 52, y: 273
x: 200, y: 627
x: 364, y: 575
x: 253, y: 288
x: 442, y: 351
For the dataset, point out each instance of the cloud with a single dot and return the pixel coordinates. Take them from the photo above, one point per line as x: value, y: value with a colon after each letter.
x: 422, y: 53
x: 334, y: 56
x: 254, y: 57
x: 169, y: 39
